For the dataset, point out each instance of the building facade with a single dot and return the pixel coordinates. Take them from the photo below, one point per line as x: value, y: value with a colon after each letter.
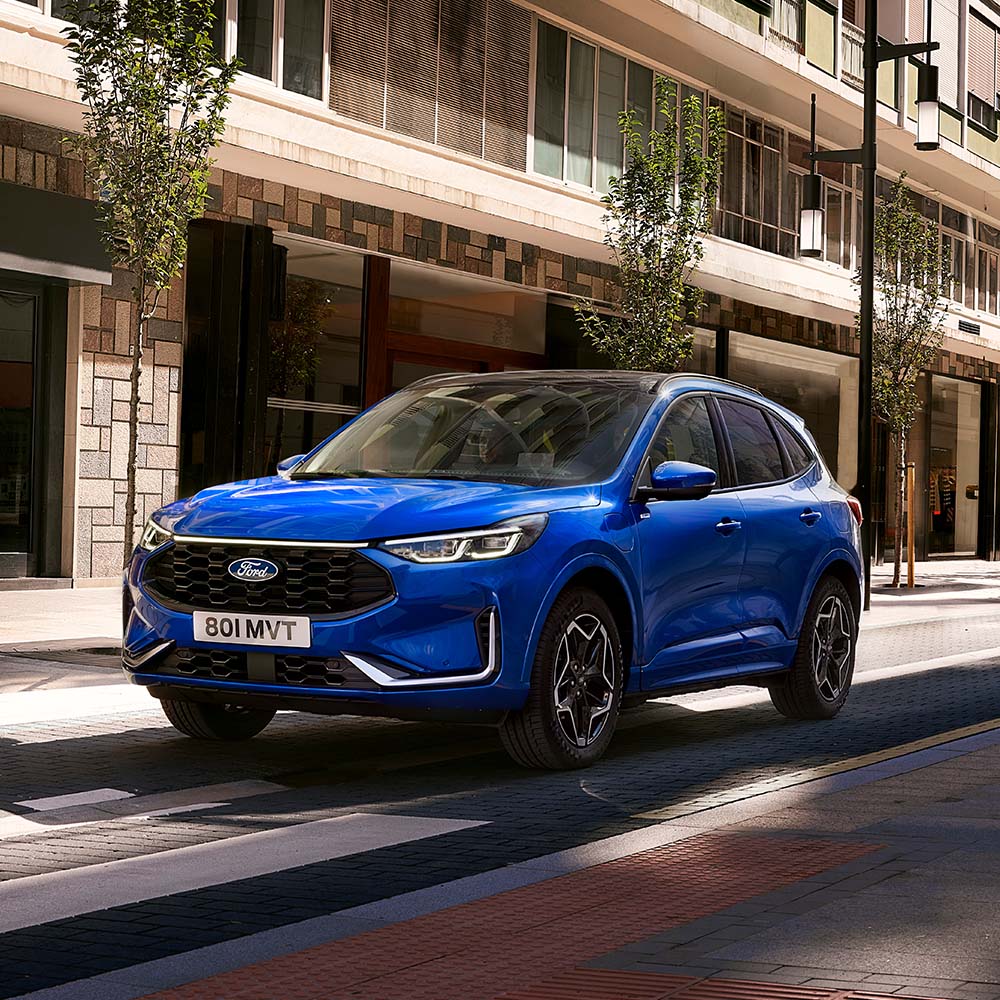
x: 413, y: 186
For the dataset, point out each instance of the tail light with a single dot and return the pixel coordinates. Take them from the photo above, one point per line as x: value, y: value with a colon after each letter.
x: 855, y: 504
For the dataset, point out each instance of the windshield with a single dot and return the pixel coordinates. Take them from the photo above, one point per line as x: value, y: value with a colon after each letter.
x: 489, y: 430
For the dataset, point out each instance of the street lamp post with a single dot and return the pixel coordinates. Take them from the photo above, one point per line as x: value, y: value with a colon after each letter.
x: 875, y: 52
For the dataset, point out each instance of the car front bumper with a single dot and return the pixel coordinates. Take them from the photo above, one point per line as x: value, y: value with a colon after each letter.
x: 451, y: 643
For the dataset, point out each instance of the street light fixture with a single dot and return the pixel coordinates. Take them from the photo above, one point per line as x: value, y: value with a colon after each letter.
x: 811, y: 216
x: 874, y: 52
x: 928, y: 114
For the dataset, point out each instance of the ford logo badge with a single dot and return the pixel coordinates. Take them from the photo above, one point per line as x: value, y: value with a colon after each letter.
x: 253, y: 570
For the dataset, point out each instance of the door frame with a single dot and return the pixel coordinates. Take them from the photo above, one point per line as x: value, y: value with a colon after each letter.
x: 48, y: 415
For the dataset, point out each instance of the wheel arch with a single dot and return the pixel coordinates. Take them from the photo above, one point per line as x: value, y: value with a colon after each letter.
x: 843, y: 570
x: 609, y: 583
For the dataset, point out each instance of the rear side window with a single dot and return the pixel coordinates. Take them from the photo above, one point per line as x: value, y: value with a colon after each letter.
x: 799, y: 456
x: 755, y: 449
x: 686, y: 435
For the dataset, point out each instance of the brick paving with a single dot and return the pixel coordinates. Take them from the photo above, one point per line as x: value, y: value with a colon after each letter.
x: 507, y: 941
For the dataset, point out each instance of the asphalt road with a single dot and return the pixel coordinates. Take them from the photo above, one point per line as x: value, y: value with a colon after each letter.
x: 414, y: 805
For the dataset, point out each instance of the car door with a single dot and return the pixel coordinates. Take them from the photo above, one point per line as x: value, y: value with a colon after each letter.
x: 691, y: 558
x: 784, y: 534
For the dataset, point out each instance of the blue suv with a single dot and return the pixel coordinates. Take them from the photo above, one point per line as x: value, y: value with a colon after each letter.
x: 527, y: 549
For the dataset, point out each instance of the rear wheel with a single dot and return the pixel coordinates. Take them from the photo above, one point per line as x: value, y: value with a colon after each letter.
x: 820, y: 679
x: 215, y: 722
x: 576, y: 688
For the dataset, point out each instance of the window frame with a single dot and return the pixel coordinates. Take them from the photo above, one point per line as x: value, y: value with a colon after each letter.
x: 779, y: 423
x: 276, y: 80
x: 642, y: 476
x: 599, y: 45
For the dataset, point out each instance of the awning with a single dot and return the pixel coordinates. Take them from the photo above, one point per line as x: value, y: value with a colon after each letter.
x: 55, y: 235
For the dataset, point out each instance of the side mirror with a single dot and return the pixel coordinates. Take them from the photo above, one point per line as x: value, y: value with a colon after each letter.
x: 286, y: 464
x: 678, y: 481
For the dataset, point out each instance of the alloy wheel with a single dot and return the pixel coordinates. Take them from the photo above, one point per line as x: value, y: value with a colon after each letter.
x: 584, y: 688
x: 832, y: 644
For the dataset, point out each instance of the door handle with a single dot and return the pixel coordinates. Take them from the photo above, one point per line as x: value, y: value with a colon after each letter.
x: 727, y: 526
x: 809, y: 516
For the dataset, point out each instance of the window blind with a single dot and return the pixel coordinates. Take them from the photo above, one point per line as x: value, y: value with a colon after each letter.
x: 508, y: 48
x: 358, y: 55
x: 451, y: 72
x: 982, y: 59
x: 461, y: 76
x: 944, y: 25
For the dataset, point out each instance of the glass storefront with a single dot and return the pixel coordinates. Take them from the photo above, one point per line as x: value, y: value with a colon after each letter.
x: 953, y: 467
x: 443, y: 321
x: 18, y: 314
x: 314, y: 368
x: 821, y: 387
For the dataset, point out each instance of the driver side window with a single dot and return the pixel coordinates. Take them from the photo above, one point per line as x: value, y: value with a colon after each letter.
x: 686, y: 435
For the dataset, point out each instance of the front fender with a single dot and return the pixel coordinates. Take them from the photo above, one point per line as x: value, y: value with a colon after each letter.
x: 612, y: 561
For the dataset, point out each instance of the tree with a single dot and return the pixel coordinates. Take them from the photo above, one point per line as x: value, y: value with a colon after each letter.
x: 293, y: 345
x: 658, y: 210
x: 155, y: 94
x: 912, y: 277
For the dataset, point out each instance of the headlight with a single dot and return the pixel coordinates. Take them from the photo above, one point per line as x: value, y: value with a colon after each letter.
x: 153, y: 536
x: 504, y: 539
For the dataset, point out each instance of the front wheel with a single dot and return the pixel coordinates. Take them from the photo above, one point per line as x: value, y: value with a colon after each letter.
x: 204, y: 721
x: 576, y: 688
x: 820, y: 679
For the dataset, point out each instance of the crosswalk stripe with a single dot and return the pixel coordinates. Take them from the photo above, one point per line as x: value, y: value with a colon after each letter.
x: 39, y: 899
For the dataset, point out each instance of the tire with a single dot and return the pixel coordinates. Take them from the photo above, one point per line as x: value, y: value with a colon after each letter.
x: 820, y: 679
x: 204, y: 721
x: 579, y: 665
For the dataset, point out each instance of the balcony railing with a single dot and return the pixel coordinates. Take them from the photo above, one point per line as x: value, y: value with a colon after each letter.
x: 852, y: 69
x: 786, y: 22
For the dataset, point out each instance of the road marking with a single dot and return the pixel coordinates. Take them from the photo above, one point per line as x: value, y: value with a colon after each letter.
x: 74, y: 799
x: 62, y: 704
x: 157, y: 804
x: 791, y: 778
x: 38, y: 899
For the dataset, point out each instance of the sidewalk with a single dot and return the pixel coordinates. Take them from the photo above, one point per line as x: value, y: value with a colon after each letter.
x: 946, y: 589
x: 878, y: 880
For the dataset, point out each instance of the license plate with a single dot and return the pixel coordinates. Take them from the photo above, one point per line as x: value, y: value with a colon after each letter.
x: 253, y: 630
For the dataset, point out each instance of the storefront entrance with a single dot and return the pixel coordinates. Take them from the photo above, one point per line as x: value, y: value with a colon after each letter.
x: 32, y: 386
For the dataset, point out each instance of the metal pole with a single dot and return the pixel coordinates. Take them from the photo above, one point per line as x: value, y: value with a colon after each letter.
x: 911, y: 477
x: 863, y: 490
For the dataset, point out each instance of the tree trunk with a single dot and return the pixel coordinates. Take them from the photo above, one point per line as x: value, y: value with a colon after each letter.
x: 900, y: 503
x: 275, y: 455
x: 133, y: 433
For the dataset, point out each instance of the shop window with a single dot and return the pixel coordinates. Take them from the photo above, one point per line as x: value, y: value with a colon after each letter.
x: 17, y: 353
x: 953, y: 467
x: 820, y: 386
x: 314, y: 374
x: 433, y: 302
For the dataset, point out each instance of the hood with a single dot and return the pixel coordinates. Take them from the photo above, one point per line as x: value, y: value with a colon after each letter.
x: 355, y: 510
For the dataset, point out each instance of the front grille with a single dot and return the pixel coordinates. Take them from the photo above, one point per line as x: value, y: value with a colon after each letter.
x: 317, y: 672
x: 327, y: 582
x: 207, y: 664
x: 292, y: 669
